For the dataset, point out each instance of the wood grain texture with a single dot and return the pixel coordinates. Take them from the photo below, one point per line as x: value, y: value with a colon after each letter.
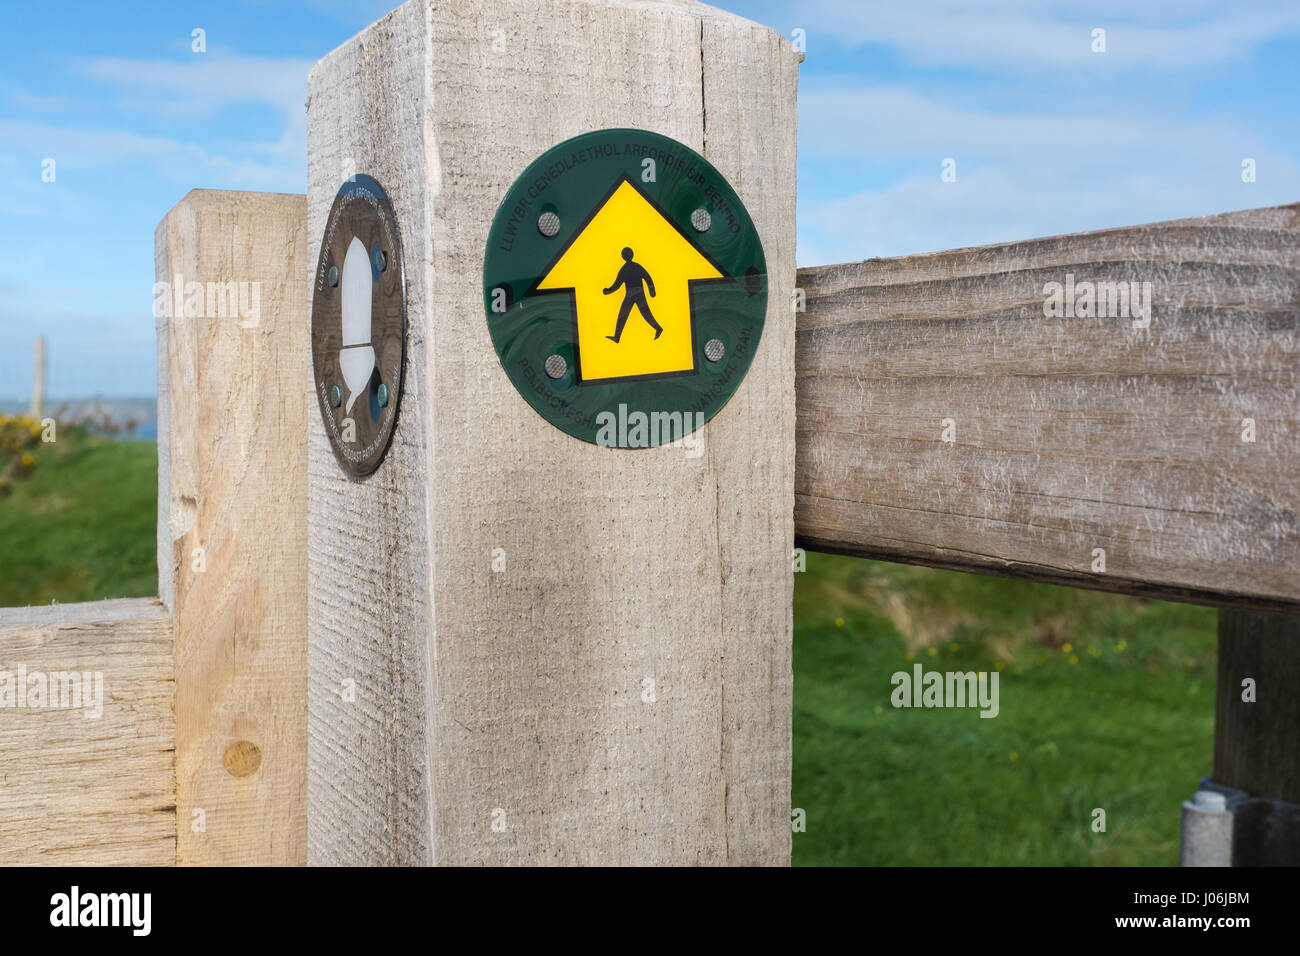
x: 1255, y: 743
x: 1071, y: 433
x: 369, y: 613
x: 517, y: 696
x: 236, y: 486
x: 89, y: 791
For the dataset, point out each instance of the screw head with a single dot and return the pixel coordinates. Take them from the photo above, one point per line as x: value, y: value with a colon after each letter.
x: 1210, y: 800
x: 333, y: 276
x: 382, y: 395
x: 548, y: 224
x: 556, y: 366
x: 381, y: 260
x: 701, y: 220
x: 714, y: 349
x: 336, y: 396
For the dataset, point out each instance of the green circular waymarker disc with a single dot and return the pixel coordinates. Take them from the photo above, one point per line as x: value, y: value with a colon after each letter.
x: 625, y: 288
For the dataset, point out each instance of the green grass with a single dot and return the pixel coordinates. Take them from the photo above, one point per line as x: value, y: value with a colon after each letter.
x: 1106, y: 702
x: 81, y: 525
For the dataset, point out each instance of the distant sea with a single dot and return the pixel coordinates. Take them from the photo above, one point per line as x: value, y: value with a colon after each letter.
x: 143, y: 411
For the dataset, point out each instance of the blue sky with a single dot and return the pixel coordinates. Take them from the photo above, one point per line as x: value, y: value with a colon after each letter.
x: 1048, y: 136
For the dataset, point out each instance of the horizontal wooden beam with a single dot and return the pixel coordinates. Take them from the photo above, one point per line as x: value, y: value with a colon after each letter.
x: 86, y: 762
x: 948, y: 415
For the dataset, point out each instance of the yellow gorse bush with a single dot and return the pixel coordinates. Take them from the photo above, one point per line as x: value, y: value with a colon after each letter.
x: 18, y: 433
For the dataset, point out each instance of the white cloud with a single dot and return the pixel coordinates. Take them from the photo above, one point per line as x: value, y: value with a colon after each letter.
x: 885, y: 123
x: 1019, y: 176
x: 898, y: 122
x: 254, y: 165
x: 200, y: 88
x: 1018, y: 34
x: 204, y: 84
x: 922, y: 214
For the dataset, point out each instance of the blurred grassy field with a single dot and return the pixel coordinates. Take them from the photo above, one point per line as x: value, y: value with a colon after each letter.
x: 1106, y: 702
x: 78, y: 522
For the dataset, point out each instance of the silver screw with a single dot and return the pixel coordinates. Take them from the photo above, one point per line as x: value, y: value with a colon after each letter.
x: 701, y: 220
x: 336, y: 396
x: 382, y: 394
x: 556, y: 366
x: 334, y: 275
x: 1210, y: 800
x: 714, y: 349
x: 548, y: 224
x: 381, y: 260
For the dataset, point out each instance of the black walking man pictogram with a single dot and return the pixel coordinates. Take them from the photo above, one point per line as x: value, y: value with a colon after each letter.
x: 631, y: 276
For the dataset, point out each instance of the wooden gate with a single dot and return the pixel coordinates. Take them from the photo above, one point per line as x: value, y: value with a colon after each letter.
x: 444, y: 662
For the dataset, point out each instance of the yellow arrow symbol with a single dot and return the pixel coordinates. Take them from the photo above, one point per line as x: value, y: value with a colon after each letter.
x: 630, y: 271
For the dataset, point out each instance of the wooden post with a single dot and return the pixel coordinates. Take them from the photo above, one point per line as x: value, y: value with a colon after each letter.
x: 1256, y: 729
x: 232, y: 519
x: 621, y: 692
x: 37, y: 408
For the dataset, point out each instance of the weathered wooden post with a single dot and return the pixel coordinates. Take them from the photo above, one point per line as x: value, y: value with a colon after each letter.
x: 1256, y: 725
x: 618, y: 689
x: 230, y: 306
x: 37, y: 408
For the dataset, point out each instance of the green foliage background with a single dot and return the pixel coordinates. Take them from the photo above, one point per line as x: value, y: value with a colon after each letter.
x: 80, y: 523
x: 1106, y: 702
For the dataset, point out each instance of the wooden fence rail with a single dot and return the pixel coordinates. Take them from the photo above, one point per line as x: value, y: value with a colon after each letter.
x: 78, y: 789
x: 944, y: 419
